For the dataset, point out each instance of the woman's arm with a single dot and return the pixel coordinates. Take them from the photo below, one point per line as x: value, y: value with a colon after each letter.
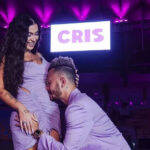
x: 5, y: 96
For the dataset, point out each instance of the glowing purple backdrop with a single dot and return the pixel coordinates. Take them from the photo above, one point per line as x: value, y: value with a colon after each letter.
x: 119, y: 10
x: 81, y: 13
x: 8, y: 14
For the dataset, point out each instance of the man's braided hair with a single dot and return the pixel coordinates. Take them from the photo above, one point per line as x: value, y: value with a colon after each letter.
x: 67, y: 66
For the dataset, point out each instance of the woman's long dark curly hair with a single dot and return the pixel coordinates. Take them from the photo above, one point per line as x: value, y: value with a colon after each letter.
x: 13, y: 50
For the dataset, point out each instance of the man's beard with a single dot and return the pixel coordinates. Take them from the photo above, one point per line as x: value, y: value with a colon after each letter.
x: 57, y: 92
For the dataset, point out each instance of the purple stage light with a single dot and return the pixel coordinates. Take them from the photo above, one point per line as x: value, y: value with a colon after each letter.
x: 83, y: 14
x: 45, y: 26
x: 147, y: 1
x: 120, y: 11
x: 44, y: 14
x: 4, y: 16
x: 85, y: 11
x: 8, y: 15
x: 120, y: 20
x: 117, y: 103
x: 11, y: 12
x: 141, y: 103
x: 6, y: 26
x: 76, y: 11
x: 130, y: 103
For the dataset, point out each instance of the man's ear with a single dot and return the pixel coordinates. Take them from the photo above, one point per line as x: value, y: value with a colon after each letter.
x: 63, y: 81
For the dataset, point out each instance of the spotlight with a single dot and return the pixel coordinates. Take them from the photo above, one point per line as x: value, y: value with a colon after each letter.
x: 141, y: 103
x: 45, y: 26
x: 82, y: 13
x: 121, y: 20
x: 6, y: 26
x: 131, y: 103
x: 117, y: 103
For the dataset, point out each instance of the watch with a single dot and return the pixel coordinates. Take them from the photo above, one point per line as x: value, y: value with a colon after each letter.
x: 37, y: 133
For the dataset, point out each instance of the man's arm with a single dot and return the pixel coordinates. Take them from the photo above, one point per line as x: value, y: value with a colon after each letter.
x: 79, y: 124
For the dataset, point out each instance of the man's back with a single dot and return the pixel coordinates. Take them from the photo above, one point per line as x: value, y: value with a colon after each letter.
x: 90, y: 126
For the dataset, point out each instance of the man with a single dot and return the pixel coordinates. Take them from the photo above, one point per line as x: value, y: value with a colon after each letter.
x: 87, y: 125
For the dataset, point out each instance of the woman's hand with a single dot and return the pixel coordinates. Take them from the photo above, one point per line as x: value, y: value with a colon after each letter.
x: 26, y: 120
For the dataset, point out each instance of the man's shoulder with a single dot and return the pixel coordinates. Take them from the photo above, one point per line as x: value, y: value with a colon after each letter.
x: 83, y: 101
x: 78, y: 108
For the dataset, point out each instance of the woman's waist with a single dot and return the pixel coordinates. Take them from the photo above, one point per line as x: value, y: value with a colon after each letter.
x: 34, y: 99
x: 34, y: 85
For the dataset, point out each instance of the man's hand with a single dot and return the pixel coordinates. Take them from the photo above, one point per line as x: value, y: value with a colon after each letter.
x: 54, y: 134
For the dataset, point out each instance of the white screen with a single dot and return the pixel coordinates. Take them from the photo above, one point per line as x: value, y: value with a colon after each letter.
x: 80, y: 36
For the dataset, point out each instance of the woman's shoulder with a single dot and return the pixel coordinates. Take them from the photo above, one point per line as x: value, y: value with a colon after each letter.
x: 40, y: 55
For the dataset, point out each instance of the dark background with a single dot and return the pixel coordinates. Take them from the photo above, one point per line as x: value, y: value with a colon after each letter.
x: 119, y: 79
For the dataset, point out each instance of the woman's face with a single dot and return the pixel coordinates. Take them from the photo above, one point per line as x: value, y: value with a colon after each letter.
x: 33, y: 36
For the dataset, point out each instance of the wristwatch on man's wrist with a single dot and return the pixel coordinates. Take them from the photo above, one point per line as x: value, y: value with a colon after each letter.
x: 37, y: 133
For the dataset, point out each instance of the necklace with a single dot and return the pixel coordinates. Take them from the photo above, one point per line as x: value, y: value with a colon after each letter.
x: 28, y: 55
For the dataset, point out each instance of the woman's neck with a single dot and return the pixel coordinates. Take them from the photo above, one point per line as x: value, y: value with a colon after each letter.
x: 28, y: 55
x: 29, y: 51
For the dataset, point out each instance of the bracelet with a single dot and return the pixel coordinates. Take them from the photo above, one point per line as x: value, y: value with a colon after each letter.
x: 37, y: 133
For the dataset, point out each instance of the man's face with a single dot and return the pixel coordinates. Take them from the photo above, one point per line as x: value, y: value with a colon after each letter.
x: 54, y: 85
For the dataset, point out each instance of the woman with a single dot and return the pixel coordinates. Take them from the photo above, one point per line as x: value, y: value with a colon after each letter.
x: 22, y: 82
